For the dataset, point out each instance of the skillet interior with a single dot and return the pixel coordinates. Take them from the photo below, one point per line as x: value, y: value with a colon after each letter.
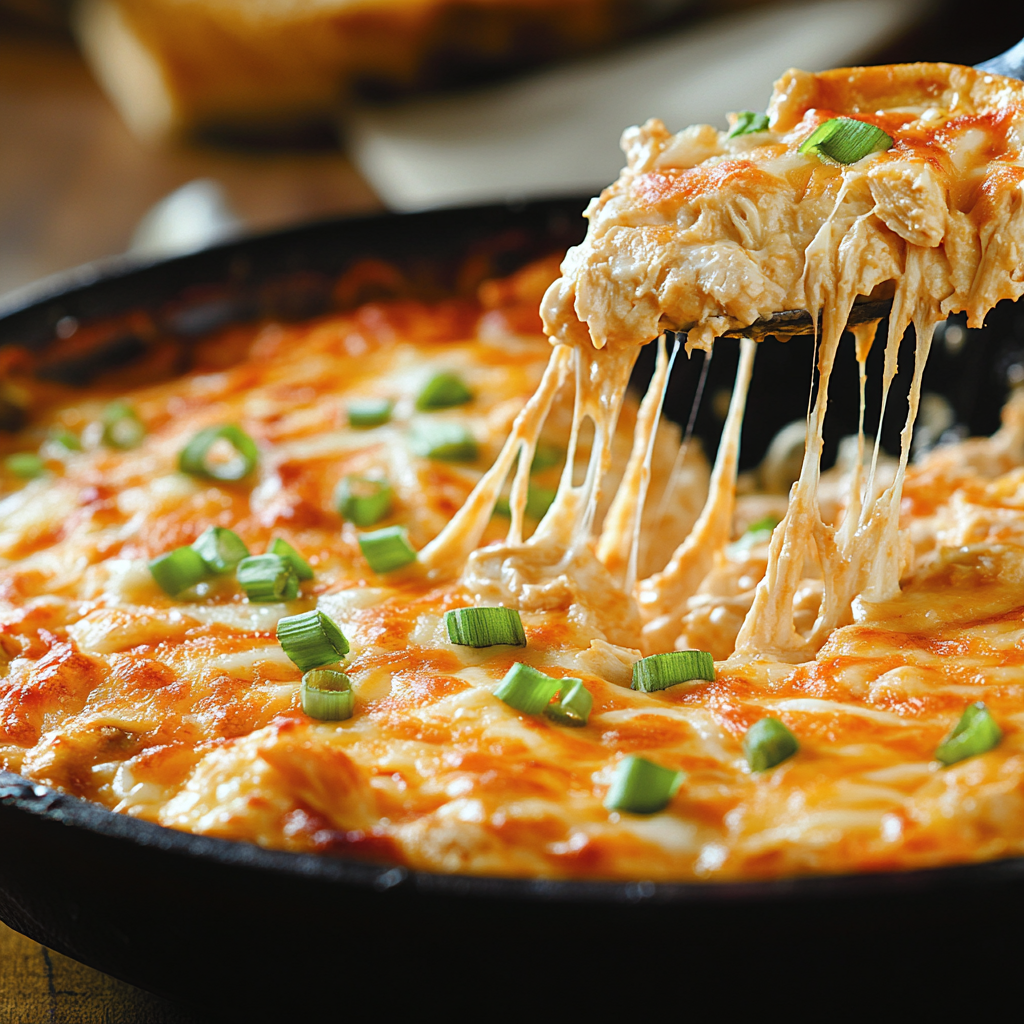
x: 227, y: 923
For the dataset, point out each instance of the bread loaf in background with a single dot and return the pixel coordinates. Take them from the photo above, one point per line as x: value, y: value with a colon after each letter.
x: 178, y: 66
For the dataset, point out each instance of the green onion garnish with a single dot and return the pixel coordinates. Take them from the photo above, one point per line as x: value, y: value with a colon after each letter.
x: 768, y: 743
x: 387, y: 549
x: 538, y: 501
x: 66, y: 440
x: 194, y: 456
x: 846, y: 140
x: 363, y: 500
x: 122, y: 427
x: 450, y: 442
x: 327, y: 695
x: 524, y: 688
x: 573, y: 705
x: 179, y: 569
x: 442, y: 391
x: 660, y: 671
x: 756, y: 533
x: 26, y: 465
x: 369, y: 412
x: 975, y: 733
x: 640, y: 786
x: 221, y: 549
x: 748, y: 122
x: 267, y: 578
x: 485, y: 627
x: 311, y: 639
x: 284, y: 550
x: 545, y: 456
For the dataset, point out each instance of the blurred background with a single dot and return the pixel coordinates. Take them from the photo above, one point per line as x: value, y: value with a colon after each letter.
x: 157, y: 126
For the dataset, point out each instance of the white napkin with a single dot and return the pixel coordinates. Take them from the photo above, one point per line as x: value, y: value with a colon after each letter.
x: 557, y: 131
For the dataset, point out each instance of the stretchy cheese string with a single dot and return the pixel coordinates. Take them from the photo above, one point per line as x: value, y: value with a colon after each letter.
x: 446, y: 554
x: 662, y: 595
x: 620, y: 535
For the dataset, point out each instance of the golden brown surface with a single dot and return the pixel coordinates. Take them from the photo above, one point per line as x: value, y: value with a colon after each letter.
x: 185, y: 711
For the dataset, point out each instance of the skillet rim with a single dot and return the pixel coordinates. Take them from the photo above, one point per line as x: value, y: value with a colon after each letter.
x: 42, y: 301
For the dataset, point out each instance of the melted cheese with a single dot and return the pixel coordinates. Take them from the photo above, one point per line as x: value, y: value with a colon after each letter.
x: 887, y: 599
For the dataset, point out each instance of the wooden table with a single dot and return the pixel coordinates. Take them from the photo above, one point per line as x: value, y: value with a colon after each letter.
x: 73, y: 185
x: 38, y: 986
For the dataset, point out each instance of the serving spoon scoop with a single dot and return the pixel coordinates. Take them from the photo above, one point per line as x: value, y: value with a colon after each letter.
x: 790, y: 322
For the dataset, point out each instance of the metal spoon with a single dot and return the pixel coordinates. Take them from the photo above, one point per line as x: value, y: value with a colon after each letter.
x: 791, y: 322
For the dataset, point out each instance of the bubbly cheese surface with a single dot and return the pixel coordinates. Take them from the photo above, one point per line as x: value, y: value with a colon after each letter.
x: 888, y: 598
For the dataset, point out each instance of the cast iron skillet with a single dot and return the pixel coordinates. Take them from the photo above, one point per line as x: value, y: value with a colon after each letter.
x: 260, y: 934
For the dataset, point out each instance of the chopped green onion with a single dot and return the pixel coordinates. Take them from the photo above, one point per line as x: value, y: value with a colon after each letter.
x: 485, y: 627
x: 846, y: 140
x: 756, y: 533
x: 363, y: 500
x: 768, y: 743
x: 299, y: 565
x: 221, y: 549
x: 267, y: 578
x: 450, y: 442
x: 442, y: 391
x: 122, y: 427
x: 538, y: 501
x: 747, y: 122
x: 975, y: 733
x: 545, y: 456
x: 26, y: 465
x: 66, y: 440
x: 179, y: 569
x: 660, y: 671
x: 194, y: 456
x: 387, y: 549
x: 311, y: 639
x: 327, y: 695
x: 524, y: 688
x: 640, y: 786
x: 369, y: 412
x: 573, y: 705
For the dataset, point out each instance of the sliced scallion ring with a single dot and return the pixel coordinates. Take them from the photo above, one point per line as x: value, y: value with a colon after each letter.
x: 194, y: 457
x: 179, y: 569
x: 311, y: 639
x: 363, y: 500
x: 747, y: 122
x: 387, y: 549
x: 660, y: 671
x: 846, y: 140
x: 369, y: 412
x: 26, y: 465
x: 526, y: 689
x: 122, y: 427
x: 768, y: 743
x: 281, y: 547
x: 545, y: 456
x: 449, y: 442
x: 538, y: 501
x: 66, y: 440
x: 640, y: 786
x: 485, y: 627
x: 267, y: 578
x: 574, y: 704
x: 975, y: 733
x: 443, y: 391
x: 327, y: 695
x: 756, y: 533
x: 221, y: 549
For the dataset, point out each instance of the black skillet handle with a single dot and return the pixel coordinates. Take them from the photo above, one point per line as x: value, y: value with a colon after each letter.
x: 1010, y: 63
